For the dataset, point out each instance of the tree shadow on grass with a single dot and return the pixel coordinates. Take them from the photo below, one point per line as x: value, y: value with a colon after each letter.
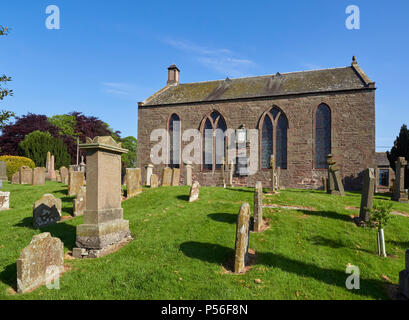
x: 327, y: 214
x: 334, y: 244
x: 223, y: 217
x: 69, y: 210
x: 214, y: 253
x: 401, y: 244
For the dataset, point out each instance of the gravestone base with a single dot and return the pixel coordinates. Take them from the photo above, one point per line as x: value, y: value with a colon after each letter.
x: 404, y: 283
x: 86, y: 253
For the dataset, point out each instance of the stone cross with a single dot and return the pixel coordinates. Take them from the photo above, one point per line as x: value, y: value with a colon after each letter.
x: 188, y: 168
x: 273, y: 166
x: 258, y: 207
x: 242, y: 239
x: 367, y: 194
x: 399, y: 193
x: 149, y: 171
x: 104, y: 229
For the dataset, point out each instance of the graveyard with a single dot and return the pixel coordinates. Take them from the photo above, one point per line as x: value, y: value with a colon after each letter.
x: 185, y: 250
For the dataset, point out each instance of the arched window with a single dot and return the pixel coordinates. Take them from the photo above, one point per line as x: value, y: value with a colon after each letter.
x: 214, y: 140
x: 322, y: 136
x: 274, y: 138
x: 174, y: 141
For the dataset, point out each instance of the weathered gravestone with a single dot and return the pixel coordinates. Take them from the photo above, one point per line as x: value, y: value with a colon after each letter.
x: 404, y: 277
x: 46, y: 211
x: 79, y: 203
x: 167, y: 177
x: 242, y: 239
x: 154, y: 181
x: 175, y: 177
x: 64, y: 175
x: 258, y: 207
x: 104, y: 230
x: 194, y: 191
x: 40, y: 263
x: 26, y: 175
x: 15, y: 178
x: 273, y: 175
x: 38, y: 176
x: 188, y: 177
x: 149, y: 171
x: 4, y: 200
x: 3, y: 171
x: 399, y: 193
x: 57, y: 176
x: 75, y: 182
x: 335, y: 185
x: 367, y: 194
x: 133, y: 180
x: 324, y: 184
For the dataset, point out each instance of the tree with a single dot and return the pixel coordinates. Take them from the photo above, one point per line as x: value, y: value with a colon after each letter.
x: 66, y: 124
x: 5, y: 117
x: 36, y: 145
x: 129, y: 159
x: 400, y: 149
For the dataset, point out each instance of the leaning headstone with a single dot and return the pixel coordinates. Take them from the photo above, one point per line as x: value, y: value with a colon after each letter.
x: 79, y: 203
x: 39, y: 176
x: 194, y: 191
x: 258, y: 207
x: 64, y: 175
x: 404, y: 277
x: 4, y: 200
x: 15, y: 178
x: 399, y: 193
x: 188, y: 168
x: 175, y: 177
x: 167, y: 177
x: 154, y: 181
x: 75, y: 181
x: 40, y: 263
x: 242, y: 239
x: 3, y: 171
x: 104, y: 230
x: 367, y: 194
x: 149, y: 171
x: 46, y: 211
x: 26, y: 175
x: 133, y: 180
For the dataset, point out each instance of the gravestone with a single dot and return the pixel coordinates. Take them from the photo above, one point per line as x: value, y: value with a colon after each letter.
x: 367, y: 194
x: 57, y: 176
x: 154, y: 181
x: 404, y: 277
x: 39, y: 176
x: 79, y: 203
x: 324, y: 184
x: 278, y: 176
x: 104, y: 230
x: 242, y: 239
x: 26, y: 175
x: 3, y: 171
x: 273, y: 175
x: 166, y: 177
x: 133, y: 182
x: 231, y: 173
x: 194, y: 191
x: 258, y: 207
x: 41, y: 260
x: 46, y: 211
x: 223, y: 173
x: 15, y: 178
x: 51, y: 170
x: 335, y: 185
x: 175, y: 177
x: 64, y: 175
x: 75, y: 181
x: 149, y: 171
x: 47, y: 163
x: 188, y: 168
x: 4, y: 200
x: 399, y: 193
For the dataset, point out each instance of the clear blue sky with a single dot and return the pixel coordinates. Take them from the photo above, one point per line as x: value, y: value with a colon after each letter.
x: 107, y: 56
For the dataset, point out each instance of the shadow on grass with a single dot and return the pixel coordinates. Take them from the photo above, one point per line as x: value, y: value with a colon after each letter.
x: 25, y: 223
x: 334, y: 244
x: 9, y: 276
x: 401, y: 244
x: 327, y: 214
x: 183, y: 197
x: 223, y: 217
x: 239, y: 189
x: 217, y: 254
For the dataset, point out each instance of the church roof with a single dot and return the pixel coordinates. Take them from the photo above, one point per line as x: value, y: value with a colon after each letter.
x: 315, y: 81
x: 382, y: 159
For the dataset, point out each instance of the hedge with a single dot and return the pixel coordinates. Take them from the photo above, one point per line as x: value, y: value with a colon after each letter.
x: 13, y: 164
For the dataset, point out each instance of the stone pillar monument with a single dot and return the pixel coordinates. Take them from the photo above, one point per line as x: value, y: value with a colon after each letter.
x: 149, y: 171
x: 399, y: 193
x: 188, y: 176
x: 104, y: 230
x: 273, y: 175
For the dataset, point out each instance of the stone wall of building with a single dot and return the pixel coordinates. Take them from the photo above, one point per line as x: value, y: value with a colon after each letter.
x: 352, y: 135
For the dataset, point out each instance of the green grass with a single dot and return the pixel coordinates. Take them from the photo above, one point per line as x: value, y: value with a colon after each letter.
x: 179, y: 248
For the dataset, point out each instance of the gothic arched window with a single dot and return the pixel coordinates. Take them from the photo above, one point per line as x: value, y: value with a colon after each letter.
x: 214, y: 140
x: 322, y: 135
x: 174, y: 141
x: 274, y: 138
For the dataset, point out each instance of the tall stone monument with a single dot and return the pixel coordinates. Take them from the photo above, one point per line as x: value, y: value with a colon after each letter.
x: 242, y: 239
x: 188, y: 177
x: 367, y: 194
x: 258, y: 207
x: 104, y: 230
x: 149, y: 172
x: 335, y: 185
x: 50, y: 172
x: 399, y: 193
x: 273, y: 175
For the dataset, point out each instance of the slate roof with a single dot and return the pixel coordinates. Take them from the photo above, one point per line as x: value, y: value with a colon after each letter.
x: 316, y: 81
x: 382, y: 159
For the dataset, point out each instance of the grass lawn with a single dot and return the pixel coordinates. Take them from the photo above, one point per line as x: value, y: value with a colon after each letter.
x: 179, y: 248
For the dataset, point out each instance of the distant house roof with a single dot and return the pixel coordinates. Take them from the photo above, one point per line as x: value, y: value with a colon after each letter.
x: 382, y: 159
x: 316, y: 81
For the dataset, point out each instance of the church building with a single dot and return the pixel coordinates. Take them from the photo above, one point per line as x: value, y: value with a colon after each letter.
x: 301, y: 117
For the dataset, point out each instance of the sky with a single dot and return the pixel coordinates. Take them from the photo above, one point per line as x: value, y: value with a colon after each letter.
x: 108, y: 56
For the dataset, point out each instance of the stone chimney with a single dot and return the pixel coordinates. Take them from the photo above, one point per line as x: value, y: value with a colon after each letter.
x: 173, y: 75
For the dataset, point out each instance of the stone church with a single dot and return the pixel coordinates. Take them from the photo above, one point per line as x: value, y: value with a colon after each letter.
x: 301, y: 118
